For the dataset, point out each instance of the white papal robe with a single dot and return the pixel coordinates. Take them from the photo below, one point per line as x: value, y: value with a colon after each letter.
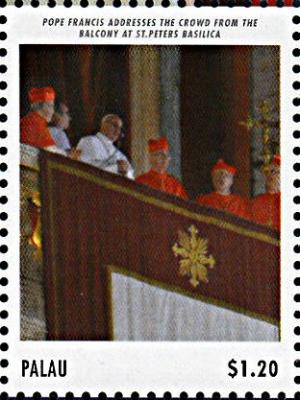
x: 99, y: 151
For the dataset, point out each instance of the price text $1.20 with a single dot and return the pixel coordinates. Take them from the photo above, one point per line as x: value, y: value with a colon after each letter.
x: 262, y: 369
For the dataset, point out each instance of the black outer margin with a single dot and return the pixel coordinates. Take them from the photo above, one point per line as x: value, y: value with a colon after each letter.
x: 150, y: 3
x: 3, y: 205
x: 69, y: 395
x: 3, y: 215
x: 296, y: 150
x: 150, y: 396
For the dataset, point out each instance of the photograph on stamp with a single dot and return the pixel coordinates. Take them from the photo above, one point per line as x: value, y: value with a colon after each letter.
x: 150, y: 192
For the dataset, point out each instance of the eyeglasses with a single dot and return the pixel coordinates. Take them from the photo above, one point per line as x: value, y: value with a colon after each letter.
x: 49, y: 105
x: 162, y: 155
x: 116, y: 125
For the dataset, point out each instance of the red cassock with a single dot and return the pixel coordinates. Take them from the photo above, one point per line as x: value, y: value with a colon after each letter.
x: 230, y: 203
x: 266, y: 209
x: 34, y: 131
x: 164, y: 182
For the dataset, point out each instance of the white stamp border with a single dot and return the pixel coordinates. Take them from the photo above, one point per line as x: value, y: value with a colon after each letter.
x: 112, y: 367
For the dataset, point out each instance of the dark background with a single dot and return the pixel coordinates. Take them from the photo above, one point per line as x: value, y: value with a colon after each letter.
x: 215, y: 97
x: 91, y: 80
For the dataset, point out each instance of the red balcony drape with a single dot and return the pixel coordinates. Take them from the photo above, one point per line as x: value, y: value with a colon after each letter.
x: 92, y: 219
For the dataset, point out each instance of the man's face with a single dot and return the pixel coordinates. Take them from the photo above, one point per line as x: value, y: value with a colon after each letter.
x: 112, y: 129
x: 273, y: 178
x: 64, y: 117
x: 159, y: 160
x: 222, y: 181
x: 48, y: 110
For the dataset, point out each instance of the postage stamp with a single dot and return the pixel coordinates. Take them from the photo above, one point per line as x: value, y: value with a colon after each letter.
x: 145, y: 244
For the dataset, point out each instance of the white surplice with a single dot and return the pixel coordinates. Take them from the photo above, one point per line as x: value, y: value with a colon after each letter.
x: 99, y: 151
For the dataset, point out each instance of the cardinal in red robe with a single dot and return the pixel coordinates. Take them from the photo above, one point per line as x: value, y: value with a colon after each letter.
x: 222, y: 198
x: 266, y: 207
x: 157, y: 177
x: 34, y: 126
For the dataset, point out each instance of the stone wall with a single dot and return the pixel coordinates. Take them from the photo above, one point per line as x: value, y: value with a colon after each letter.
x: 265, y: 85
x: 170, y: 104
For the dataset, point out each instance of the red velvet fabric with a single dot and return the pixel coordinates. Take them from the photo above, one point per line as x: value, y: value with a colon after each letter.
x: 100, y: 219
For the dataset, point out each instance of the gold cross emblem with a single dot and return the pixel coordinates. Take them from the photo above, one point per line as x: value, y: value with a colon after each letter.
x: 193, y: 252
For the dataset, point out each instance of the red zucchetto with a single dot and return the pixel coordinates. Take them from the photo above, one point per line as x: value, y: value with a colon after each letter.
x: 158, y: 145
x: 41, y: 94
x: 221, y: 164
x: 34, y: 126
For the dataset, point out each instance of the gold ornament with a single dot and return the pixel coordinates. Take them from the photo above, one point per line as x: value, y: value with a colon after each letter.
x: 193, y: 251
x: 36, y: 199
x: 264, y: 123
x: 36, y: 237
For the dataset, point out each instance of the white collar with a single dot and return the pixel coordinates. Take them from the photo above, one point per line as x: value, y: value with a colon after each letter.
x: 104, y: 138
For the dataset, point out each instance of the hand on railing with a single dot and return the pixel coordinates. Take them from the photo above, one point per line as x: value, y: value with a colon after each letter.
x: 74, y: 153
